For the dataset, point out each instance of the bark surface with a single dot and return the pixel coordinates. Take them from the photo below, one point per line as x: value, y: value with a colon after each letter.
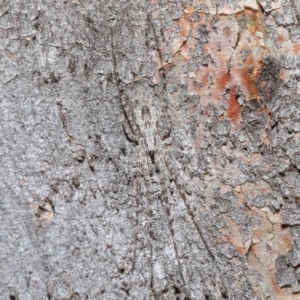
x: 149, y: 149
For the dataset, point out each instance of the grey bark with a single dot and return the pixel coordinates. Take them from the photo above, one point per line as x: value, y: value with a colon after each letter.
x: 71, y: 227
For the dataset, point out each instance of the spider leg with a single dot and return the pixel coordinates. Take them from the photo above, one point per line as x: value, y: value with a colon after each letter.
x: 125, y: 103
x: 165, y: 132
x: 129, y: 133
x: 128, y: 112
x: 156, y: 40
x: 180, y: 187
x: 137, y: 202
x: 165, y: 192
x: 164, y: 129
x: 145, y: 171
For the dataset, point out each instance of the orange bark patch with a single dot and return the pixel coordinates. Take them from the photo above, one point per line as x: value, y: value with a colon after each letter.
x: 184, y: 25
x: 281, y: 37
x: 228, y: 239
x: 227, y: 31
x: 286, y: 237
x: 233, y: 110
x: 223, y: 80
x: 249, y: 75
x: 296, y: 49
x: 241, y: 251
x: 204, y: 80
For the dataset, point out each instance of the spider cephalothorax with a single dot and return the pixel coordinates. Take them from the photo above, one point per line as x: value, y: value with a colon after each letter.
x: 146, y: 119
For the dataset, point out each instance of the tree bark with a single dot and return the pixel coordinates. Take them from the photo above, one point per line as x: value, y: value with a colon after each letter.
x: 149, y: 149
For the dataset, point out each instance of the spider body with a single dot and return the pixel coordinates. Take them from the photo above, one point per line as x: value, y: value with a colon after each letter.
x: 146, y: 119
x: 147, y: 128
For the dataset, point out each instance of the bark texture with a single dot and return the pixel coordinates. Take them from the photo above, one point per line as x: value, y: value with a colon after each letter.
x: 86, y: 212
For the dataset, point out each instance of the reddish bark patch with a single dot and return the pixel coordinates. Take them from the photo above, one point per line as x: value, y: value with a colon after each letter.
x: 296, y: 49
x: 249, y: 74
x: 281, y: 37
x: 241, y: 251
x: 227, y: 31
x: 228, y: 239
x: 233, y: 110
x: 223, y: 80
x: 184, y: 25
x: 204, y: 80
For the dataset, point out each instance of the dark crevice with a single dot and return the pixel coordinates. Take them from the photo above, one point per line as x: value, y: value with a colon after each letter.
x: 49, y: 296
x: 176, y: 290
x: 225, y: 295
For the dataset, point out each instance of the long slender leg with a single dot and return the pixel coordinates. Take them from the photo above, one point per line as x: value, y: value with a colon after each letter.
x: 122, y: 97
x: 137, y: 201
x: 149, y: 209
x: 128, y: 111
x: 162, y: 71
x: 181, y: 190
x: 151, y: 25
x: 129, y: 133
x: 165, y: 191
x: 180, y: 187
x: 164, y: 129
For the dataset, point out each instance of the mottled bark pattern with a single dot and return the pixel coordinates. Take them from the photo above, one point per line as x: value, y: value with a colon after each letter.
x: 86, y: 209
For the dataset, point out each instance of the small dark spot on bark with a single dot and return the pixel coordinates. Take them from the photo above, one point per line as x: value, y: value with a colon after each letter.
x: 177, y: 290
x: 225, y: 295
x: 76, y: 182
x: 12, y: 297
x: 37, y: 25
x: 76, y: 296
x: 123, y: 150
x: 54, y: 78
x: 72, y: 65
x: 286, y: 200
x: 269, y: 78
x: 250, y: 70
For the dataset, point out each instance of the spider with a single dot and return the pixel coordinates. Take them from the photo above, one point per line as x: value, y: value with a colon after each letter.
x: 144, y: 128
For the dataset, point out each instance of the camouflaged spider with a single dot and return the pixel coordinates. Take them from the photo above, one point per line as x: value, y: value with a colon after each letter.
x: 143, y: 127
